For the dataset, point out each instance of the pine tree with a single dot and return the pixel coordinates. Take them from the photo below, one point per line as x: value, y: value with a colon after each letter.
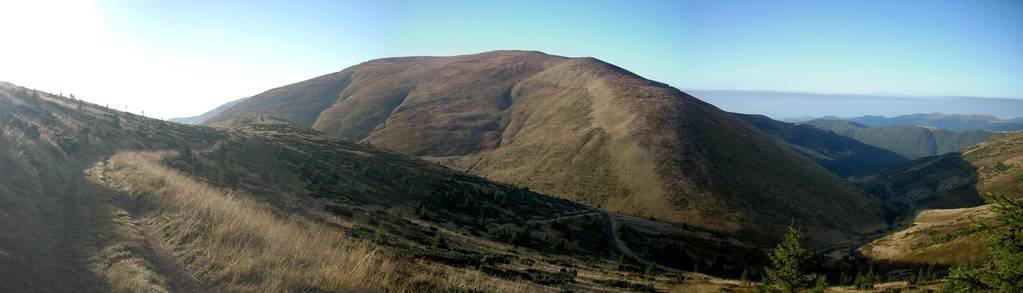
x: 481, y: 221
x: 787, y: 261
x: 378, y: 234
x: 764, y: 286
x: 915, y: 278
x: 186, y: 151
x: 865, y: 281
x: 421, y: 211
x: 265, y: 168
x: 223, y: 168
x: 438, y: 241
x: 821, y: 285
x: 929, y: 273
x: 1003, y: 272
x: 843, y: 279
x: 744, y: 278
x: 307, y: 169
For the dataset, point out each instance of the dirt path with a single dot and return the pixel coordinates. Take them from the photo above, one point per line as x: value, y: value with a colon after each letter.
x: 614, y: 242
x: 158, y: 254
x: 165, y: 263
x: 562, y: 217
x: 617, y: 246
x: 578, y: 214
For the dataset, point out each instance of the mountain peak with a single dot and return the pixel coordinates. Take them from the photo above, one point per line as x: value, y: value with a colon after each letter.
x: 582, y: 129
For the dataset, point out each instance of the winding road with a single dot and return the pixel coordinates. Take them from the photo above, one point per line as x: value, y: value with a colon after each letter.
x: 609, y: 233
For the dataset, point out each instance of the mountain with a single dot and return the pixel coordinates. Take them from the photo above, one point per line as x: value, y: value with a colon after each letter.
x: 908, y: 141
x: 580, y: 129
x: 953, y: 122
x: 97, y: 200
x: 194, y: 120
x: 839, y: 154
x: 780, y: 105
x: 953, y: 180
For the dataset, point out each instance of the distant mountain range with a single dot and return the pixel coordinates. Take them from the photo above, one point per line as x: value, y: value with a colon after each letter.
x: 953, y: 122
x: 841, y: 155
x: 909, y: 141
x: 195, y: 120
x: 786, y: 105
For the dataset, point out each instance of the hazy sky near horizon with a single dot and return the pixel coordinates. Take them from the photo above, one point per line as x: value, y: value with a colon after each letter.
x: 180, y: 58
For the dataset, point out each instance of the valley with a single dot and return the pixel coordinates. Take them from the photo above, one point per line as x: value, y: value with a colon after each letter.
x: 420, y: 174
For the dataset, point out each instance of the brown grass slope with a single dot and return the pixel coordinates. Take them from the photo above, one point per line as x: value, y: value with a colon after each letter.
x: 939, y: 236
x: 97, y: 200
x: 580, y: 129
x: 75, y: 222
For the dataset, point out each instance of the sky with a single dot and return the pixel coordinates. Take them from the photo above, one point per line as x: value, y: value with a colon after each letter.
x: 181, y: 58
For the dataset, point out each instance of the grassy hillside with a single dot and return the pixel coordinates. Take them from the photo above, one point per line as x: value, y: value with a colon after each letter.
x: 580, y: 129
x: 839, y: 154
x: 952, y: 180
x: 938, y: 237
x: 100, y: 200
x: 906, y: 140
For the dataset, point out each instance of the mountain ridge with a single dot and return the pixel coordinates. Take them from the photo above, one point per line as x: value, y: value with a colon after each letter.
x: 783, y: 105
x: 909, y: 141
x: 579, y: 128
x: 199, y: 119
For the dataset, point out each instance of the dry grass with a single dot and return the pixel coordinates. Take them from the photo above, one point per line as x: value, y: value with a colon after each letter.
x: 232, y: 243
x: 13, y: 139
x: 933, y: 237
x: 238, y: 244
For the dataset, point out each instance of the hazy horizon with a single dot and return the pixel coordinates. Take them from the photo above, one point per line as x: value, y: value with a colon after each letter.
x: 781, y: 105
x: 181, y: 58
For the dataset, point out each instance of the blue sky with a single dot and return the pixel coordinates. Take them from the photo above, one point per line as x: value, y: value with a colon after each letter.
x: 174, y: 58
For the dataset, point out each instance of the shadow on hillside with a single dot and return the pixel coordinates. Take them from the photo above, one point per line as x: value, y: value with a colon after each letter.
x: 941, y: 182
